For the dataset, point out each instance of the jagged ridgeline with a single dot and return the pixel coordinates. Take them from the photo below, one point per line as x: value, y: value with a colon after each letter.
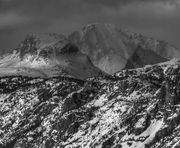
x: 134, y: 108
x: 96, y: 49
x: 47, y: 55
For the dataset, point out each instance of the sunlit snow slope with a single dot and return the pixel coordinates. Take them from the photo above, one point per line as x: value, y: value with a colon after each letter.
x: 137, y: 108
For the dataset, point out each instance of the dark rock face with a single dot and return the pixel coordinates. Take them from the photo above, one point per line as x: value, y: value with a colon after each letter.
x: 134, y: 108
x: 40, y: 42
x: 143, y: 57
x: 47, y: 45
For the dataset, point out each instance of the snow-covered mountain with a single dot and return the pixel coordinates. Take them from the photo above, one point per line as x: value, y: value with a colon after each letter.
x: 47, y: 55
x: 138, y: 108
x: 52, y: 95
x: 110, y: 48
x: 85, y: 53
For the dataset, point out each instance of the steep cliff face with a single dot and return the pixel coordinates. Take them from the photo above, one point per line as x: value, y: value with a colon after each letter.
x: 134, y: 108
x: 110, y: 48
x: 47, y: 55
x: 142, y: 57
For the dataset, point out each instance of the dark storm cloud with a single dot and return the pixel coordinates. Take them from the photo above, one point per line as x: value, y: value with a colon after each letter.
x: 157, y: 18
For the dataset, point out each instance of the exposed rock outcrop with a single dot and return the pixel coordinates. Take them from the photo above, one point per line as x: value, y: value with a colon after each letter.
x: 134, y: 108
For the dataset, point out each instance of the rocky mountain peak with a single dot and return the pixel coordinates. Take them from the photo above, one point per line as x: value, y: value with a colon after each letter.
x: 99, y: 27
x: 110, y: 48
x: 48, y: 55
x: 36, y: 43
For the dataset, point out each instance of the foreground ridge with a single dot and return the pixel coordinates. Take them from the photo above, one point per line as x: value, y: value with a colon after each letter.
x: 134, y: 108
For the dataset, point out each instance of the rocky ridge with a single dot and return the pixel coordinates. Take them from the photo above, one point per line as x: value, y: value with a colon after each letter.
x: 137, y: 108
x: 47, y: 55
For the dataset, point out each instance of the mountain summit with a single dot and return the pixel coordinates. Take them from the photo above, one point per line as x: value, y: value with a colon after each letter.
x: 94, y: 50
x: 47, y: 55
x: 111, y: 48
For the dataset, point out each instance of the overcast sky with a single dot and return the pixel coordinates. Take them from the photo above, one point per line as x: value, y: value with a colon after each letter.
x: 156, y: 18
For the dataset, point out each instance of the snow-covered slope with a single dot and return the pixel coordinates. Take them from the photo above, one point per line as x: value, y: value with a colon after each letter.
x: 47, y: 55
x: 138, y: 108
x: 110, y: 48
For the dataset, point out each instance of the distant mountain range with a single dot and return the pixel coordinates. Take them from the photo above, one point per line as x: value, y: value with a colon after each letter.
x: 96, y: 49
